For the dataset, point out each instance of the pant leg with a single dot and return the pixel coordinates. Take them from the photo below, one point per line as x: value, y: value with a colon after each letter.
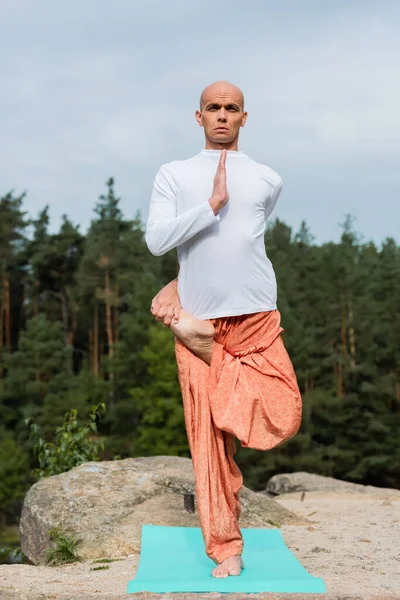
x: 249, y: 392
x: 253, y: 390
x: 218, y: 478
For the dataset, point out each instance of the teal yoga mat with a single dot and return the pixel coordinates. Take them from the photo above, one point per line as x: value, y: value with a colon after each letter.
x: 173, y: 559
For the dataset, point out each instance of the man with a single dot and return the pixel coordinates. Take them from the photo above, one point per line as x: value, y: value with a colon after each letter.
x: 236, y: 378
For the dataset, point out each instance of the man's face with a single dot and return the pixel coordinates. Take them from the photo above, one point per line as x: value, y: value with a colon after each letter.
x: 221, y: 114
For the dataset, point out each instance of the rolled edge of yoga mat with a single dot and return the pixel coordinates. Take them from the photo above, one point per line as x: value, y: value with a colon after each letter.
x: 230, y: 585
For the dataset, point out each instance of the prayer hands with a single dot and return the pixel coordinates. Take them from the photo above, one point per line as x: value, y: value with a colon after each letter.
x: 166, y: 306
x: 220, y: 194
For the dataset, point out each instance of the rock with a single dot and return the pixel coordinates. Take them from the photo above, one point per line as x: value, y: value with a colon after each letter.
x: 287, y: 483
x: 106, y: 503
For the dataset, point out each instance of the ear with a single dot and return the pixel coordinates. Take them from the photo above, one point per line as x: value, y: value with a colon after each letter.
x: 199, y: 118
x: 244, y: 119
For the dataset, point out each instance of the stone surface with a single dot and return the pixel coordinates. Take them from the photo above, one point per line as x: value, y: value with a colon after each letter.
x: 287, y: 483
x: 106, y: 503
x: 11, y: 595
x: 359, y: 533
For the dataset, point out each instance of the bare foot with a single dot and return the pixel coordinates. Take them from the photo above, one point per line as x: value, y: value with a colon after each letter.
x: 230, y: 566
x: 197, y: 335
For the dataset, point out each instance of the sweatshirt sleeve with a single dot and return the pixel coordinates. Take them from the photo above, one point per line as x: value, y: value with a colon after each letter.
x: 165, y: 228
x: 273, y: 198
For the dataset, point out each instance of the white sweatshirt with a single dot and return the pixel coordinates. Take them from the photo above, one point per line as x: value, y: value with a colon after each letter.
x: 224, y: 270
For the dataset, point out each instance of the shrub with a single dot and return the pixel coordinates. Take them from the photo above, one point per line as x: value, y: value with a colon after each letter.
x: 73, y: 444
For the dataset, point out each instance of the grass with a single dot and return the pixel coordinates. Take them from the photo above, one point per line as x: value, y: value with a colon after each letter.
x: 63, y: 547
x: 9, y: 536
x: 10, y: 551
x: 100, y: 568
x: 273, y: 523
x: 105, y: 560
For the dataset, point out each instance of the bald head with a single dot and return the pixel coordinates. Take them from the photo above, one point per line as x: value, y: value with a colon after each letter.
x: 222, y: 114
x: 221, y: 89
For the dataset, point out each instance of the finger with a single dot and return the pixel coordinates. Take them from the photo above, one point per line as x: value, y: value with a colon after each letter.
x: 159, y: 314
x: 177, y: 314
x: 222, y: 159
x: 168, y: 318
x: 155, y: 305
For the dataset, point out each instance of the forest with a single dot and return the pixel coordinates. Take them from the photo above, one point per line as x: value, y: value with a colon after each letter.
x: 76, y: 331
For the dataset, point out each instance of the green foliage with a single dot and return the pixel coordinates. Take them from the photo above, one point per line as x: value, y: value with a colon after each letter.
x: 62, y: 548
x: 161, y: 429
x: 73, y: 444
x: 10, y: 550
x: 80, y: 333
x: 11, y: 555
x: 105, y: 560
x: 12, y: 229
x: 14, y: 475
x: 40, y: 366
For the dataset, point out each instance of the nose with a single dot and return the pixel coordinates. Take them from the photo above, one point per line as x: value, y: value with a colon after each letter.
x: 222, y: 115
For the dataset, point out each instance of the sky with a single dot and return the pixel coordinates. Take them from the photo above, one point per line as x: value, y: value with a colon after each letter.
x: 93, y: 89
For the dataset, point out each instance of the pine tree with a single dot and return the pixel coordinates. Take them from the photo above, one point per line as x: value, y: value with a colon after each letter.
x: 12, y: 241
x: 14, y: 476
x: 161, y: 428
x: 98, y: 278
x: 41, y: 365
x: 33, y: 256
x: 55, y: 260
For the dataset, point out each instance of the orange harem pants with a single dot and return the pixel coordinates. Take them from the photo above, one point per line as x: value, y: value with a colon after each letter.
x: 250, y: 392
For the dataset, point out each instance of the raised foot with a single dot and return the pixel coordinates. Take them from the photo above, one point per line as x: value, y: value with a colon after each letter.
x: 197, y: 335
x: 230, y: 566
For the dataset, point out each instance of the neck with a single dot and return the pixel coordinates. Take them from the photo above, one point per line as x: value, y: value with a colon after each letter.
x: 216, y: 146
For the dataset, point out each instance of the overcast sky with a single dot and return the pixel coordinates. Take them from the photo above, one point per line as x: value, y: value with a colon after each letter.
x: 93, y: 88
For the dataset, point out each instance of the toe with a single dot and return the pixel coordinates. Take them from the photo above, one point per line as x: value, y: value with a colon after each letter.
x: 219, y: 573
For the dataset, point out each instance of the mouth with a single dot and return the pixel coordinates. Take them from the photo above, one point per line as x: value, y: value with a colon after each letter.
x: 221, y: 129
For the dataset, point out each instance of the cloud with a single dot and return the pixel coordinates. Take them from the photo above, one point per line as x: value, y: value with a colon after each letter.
x: 95, y: 90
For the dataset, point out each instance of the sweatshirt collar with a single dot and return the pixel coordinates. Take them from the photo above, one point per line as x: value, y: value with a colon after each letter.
x: 233, y: 153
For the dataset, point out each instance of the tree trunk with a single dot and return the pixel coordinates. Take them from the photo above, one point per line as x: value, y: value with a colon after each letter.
x: 343, y: 346
x: 107, y: 295
x: 335, y: 363
x: 37, y: 367
x: 352, y: 336
x: 64, y: 311
x: 22, y: 308
x: 35, y: 299
x: 110, y: 340
x: 71, y: 332
x: 116, y: 313
x: 91, y: 354
x: 339, y: 379
x: 1, y: 339
x: 7, y: 314
x: 343, y: 339
x: 100, y: 363
x: 96, y: 340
